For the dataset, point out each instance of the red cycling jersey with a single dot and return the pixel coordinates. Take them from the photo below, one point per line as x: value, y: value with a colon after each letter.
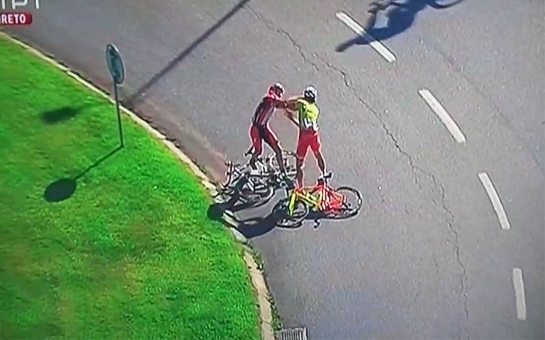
x: 264, y: 111
x: 260, y: 130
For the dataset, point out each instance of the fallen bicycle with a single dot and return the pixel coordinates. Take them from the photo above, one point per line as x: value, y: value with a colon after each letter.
x: 255, y: 185
x: 320, y: 199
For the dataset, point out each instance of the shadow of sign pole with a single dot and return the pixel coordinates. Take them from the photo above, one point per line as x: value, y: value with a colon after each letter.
x: 117, y: 71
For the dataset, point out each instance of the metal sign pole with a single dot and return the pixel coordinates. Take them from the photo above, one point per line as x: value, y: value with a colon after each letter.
x: 119, y: 124
x: 117, y: 71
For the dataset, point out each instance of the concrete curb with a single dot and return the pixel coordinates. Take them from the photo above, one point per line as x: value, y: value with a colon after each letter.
x: 258, y: 280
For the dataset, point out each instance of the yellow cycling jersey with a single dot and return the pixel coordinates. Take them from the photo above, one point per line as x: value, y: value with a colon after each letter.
x: 308, y: 114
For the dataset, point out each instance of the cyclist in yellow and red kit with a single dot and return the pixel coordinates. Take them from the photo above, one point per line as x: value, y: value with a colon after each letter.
x: 309, y: 136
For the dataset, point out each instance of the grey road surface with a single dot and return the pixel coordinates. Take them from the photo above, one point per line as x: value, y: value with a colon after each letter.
x: 427, y: 256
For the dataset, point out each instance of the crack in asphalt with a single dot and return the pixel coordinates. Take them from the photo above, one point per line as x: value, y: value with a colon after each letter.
x: 456, y: 243
x: 442, y: 202
x: 299, y: 49
x: 415, y: 168
x: 383, y: 124
x: 270, y: 25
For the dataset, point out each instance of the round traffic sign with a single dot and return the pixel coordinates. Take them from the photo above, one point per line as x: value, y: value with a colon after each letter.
x: 115, y: 64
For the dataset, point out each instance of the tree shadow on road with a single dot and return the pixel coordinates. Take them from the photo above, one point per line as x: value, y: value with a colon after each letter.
x: 62, y: 189
x: 136, y: 97
x: 390, y: 18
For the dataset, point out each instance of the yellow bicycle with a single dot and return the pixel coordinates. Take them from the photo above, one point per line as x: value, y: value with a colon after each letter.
x: 321, y: 199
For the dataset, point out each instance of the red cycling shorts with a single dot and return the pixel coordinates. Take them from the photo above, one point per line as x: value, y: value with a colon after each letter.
x: 308, y: 138
x: 260, y: 133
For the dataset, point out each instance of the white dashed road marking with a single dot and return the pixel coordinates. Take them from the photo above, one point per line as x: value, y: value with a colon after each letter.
x: 440, y: 111
x: 495, y: 199
x: 519, y: 293
x: 354, y: 26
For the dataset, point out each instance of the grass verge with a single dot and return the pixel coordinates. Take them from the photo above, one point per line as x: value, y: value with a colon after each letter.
x: 131, y: 253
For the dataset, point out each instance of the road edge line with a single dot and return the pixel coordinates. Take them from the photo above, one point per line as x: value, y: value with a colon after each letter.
x: 256, y: 275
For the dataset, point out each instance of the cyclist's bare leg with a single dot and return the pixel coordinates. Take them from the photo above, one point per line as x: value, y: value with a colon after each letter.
x: 299, y: 174
x: 254, y: 157
x: 257, y: 146
x: 279, y: 158
x: 320, y: 161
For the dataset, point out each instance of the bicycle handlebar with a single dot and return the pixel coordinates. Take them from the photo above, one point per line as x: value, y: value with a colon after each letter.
x: 327, y: 175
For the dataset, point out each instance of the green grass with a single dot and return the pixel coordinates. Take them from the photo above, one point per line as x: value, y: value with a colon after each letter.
x: 131, y: 254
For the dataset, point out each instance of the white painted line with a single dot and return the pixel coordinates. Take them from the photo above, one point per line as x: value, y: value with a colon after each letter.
x: 519, y: 293
x: 440, y: 111
x: 354, y: 26
x: 495, y: 199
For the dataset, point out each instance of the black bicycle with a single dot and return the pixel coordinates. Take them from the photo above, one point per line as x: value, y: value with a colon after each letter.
x: 255, y: 184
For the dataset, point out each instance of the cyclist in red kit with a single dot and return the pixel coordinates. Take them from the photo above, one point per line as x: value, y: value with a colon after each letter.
x: 260, y: 130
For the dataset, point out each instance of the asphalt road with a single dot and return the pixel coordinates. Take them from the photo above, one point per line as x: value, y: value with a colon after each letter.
x: 427, y: 257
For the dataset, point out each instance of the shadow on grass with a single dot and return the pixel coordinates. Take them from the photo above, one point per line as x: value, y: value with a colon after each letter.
x: 60, y: 190
x: 62, y: 114
x: 216, y: 210
x: 64, y: 188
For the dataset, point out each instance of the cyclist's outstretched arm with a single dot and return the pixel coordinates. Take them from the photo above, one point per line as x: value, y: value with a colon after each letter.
x: 289, y: 114
x: 290, y: 103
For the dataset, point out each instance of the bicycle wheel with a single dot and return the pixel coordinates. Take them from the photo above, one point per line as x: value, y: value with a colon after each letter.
x: 232, y: 175
x: 252, y: 192
x: 235, y: 172
x: 442, y: 4
x: 284, y: 218
x: 351, y: 205
x: 289, y: 159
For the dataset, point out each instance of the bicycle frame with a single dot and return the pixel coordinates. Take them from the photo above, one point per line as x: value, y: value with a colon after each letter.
x: 320, y: 197
x: 234, y: 171
x: 264, y: 169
